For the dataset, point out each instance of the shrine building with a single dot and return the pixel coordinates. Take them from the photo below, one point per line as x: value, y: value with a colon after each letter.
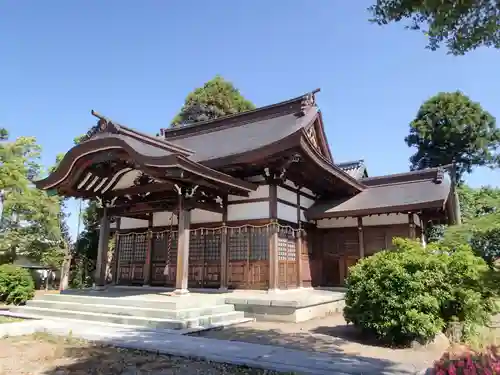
x: 248, y: 201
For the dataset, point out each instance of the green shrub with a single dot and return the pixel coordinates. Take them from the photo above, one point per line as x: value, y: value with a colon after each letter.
x: 412, y: 293
x: 16, y: 284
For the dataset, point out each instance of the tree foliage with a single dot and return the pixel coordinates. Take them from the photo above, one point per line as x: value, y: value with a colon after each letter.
x: 448, y: 128
x: 32, y: 223
x: 481, y: 222
x: 216, y: 98
x: 475, y: 203
x: 460, y: 25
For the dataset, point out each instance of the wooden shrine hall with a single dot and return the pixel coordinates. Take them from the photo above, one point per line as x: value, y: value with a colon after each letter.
x: 248, y: 201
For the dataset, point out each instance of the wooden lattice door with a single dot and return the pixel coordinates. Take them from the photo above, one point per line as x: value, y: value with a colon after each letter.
x: 132, y: 249
x: 287, y: 258
x: 238, y: 257
x: 258, y: 267
x: 204, y: 258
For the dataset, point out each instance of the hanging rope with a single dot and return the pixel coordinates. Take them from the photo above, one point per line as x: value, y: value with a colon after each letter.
x: 239, y: 227
x: 166, y: 271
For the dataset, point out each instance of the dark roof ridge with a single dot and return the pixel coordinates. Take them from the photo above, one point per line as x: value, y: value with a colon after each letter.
x: 352, y: 162
x: 418, y: 175
x: 105, y: 125
x: 402, y: 183
x: 179, y: 132
x: 224, y: 125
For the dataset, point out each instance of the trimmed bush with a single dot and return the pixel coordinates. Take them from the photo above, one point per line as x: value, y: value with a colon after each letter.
x: 411, y: 293
x: 16, y: 284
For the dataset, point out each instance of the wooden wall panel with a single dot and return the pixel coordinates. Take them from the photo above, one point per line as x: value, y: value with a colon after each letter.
x: 337, y: 249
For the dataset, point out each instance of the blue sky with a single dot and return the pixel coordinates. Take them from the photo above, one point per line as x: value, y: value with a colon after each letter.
x: 135, y: 61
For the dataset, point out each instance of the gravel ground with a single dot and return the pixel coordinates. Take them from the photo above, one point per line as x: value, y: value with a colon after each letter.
x: 43, y: 354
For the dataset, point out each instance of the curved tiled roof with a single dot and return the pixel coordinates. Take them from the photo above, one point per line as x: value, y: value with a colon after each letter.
x: 391, y: 193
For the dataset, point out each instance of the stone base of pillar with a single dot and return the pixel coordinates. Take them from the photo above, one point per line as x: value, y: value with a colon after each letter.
x: 98, y: 288
x: 146, y: 286
x: 181, y: 292
x: 223, y: 289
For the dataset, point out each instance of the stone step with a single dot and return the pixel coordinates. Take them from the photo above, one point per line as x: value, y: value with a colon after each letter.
x: 174, y: 324
x: 145, y: 312
x: 161, y: 302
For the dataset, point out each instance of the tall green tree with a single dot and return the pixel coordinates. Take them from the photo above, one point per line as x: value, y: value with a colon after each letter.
x: 216, y: 98
x: 32, y: 222
x: 451, y: 128
x: 461, y: 25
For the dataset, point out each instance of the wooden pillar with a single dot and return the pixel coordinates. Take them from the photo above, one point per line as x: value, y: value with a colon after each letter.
x: 223, y: 248
x: 149, y: 249
x: 273, y: 237
x: 181, y: 280
x: 298, y: 243
x: 116, y: 255
x: 298, y: 257
x: 361, y: 238
x: 273, y: 257
x: 456, y: 213
x: 102, y: 251
x: 422, y: 230
x: 411, y: 224
x: 223, y: 259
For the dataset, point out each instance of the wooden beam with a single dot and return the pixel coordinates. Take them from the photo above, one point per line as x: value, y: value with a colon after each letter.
x: 134, y: 190
x: 273, y: 201
x: 207, y: 206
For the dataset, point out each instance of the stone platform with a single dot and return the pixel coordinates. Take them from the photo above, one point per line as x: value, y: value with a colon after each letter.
x: 200, y: 309
x: 288, y: 306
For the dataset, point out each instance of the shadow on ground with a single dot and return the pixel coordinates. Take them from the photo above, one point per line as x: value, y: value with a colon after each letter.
x: 79, y: 357
x: 318, y: 339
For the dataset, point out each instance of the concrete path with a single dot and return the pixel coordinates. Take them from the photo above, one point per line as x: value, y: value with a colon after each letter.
x: 238, y: 353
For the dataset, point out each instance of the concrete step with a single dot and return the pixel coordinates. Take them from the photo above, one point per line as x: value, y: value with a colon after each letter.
x: 43, y: 313
x: 161, y: 302
x: 145, y: 312
x: 163, y: 323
